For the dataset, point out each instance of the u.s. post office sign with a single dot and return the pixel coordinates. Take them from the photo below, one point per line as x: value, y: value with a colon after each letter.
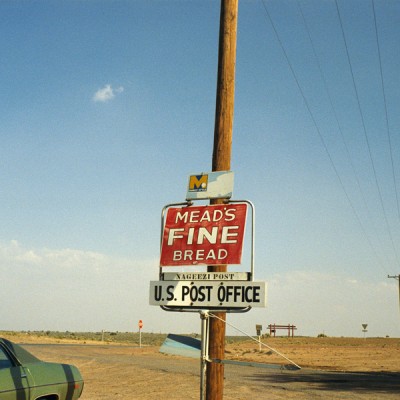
x: 208, y: 235
x: 204, y: 294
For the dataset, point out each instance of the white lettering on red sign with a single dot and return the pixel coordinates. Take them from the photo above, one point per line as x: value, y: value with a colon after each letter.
x: 210, y: 235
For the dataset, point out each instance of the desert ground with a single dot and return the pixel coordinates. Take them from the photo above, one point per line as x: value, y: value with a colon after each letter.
x: 331, y: 368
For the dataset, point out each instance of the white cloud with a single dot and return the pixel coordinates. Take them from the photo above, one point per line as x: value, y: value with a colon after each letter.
x: 333, y: 303
x: 106, y: 93
x: 15, y: 257
x: 74, y: 289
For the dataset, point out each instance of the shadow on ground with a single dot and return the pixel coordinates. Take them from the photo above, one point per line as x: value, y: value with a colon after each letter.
x: 379, y: 382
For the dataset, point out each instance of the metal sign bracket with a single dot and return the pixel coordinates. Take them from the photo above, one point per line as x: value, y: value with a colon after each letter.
x: 249, y: 274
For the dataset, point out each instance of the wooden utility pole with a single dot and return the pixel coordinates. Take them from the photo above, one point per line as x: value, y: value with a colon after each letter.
x: 398, y: 278
x: 221, y: 161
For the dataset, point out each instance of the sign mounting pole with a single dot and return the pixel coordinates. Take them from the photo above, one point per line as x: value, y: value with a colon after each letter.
x: 221, y: 161
x: 204, y: 351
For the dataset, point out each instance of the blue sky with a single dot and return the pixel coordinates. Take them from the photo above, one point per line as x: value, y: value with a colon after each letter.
x: 108, y: 107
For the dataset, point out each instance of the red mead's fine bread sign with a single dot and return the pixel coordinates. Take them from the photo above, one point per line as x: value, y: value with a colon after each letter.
x: 209, y: 235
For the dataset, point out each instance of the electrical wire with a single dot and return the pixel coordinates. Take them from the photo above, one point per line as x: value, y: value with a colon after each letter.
x: 366, y: 136
x: 258, y: 341
x: 319, y: 131
x: 339, y: 127
x: 386, y: 110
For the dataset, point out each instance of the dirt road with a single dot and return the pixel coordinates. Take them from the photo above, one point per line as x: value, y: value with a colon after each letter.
x: 123, y: 372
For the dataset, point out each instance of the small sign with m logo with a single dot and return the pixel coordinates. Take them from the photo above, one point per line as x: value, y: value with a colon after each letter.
x: 198, y: 183
x: 211, y: 185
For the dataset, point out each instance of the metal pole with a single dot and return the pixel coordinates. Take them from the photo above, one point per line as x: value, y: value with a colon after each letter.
x: 204, y: 353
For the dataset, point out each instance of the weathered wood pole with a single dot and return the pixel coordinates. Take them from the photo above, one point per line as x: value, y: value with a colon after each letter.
x: 221, y: 161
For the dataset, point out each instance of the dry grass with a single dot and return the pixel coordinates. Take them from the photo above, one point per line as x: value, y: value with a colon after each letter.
x: 336, y: 353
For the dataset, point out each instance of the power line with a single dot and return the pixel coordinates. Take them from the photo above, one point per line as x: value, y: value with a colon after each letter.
x: 366, y: 135
x: 344, y: 142
x: 386, y: 111
x: 319, y: 131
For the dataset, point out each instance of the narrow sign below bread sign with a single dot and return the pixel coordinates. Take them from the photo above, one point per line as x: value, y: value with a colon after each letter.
x: 205, y: 294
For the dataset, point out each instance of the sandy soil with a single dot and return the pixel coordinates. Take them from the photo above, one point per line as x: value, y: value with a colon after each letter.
x: 334, y: 354
x: 362, y: 368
